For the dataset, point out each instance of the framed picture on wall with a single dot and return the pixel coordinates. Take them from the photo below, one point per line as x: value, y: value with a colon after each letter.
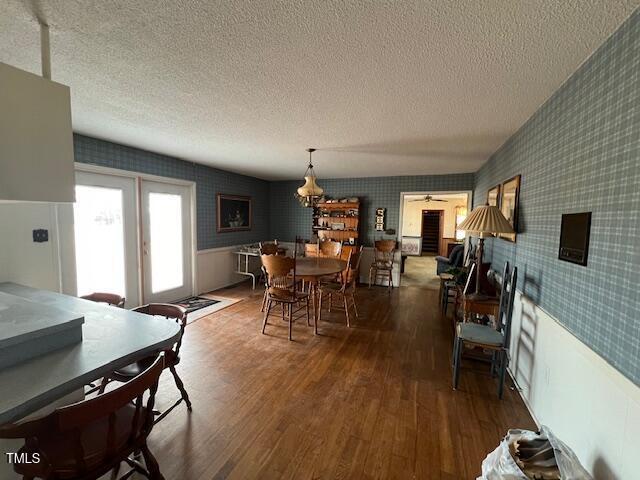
x: 234, y: 213
x: 493, y: 196
x: 510, y: 193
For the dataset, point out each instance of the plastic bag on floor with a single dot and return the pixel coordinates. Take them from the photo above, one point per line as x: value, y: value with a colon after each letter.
x: 501, y: 464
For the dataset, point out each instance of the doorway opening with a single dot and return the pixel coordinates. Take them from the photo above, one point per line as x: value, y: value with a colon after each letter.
x: 431, y: 231
x: 428, y: 231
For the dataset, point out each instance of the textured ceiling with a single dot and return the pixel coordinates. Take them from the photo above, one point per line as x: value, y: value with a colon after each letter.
x: 379, y: 87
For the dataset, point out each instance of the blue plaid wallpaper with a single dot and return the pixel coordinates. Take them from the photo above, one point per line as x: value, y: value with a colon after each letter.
x: 580, y: 152
x: 209, y: 182
x: 289, y: 219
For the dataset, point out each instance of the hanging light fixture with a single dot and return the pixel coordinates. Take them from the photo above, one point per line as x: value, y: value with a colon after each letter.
x: 309, y: 193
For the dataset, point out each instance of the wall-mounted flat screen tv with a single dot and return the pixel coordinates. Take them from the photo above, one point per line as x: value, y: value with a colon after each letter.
x: 574, y: 237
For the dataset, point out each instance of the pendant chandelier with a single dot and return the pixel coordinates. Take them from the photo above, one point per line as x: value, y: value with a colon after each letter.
x: 309, y: 193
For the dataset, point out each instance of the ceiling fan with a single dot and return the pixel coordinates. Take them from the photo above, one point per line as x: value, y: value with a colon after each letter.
x: 427, y: 198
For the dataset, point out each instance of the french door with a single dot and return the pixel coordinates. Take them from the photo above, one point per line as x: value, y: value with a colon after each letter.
x: 133, y: 238
x: 166, y: 241
x: 106, y: 238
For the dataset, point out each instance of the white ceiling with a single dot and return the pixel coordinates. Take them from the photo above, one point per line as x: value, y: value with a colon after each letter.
x: 379, y: 87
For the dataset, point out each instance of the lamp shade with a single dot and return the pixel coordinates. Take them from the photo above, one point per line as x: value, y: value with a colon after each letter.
x: 485, y: 220
x: 310, y: 188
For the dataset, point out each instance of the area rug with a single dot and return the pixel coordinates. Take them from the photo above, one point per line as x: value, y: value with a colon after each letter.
x: 203, y: 305
x: 420, y: 272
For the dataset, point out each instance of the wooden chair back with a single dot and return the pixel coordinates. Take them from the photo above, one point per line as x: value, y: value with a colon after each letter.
x: 469, y: 256
x: 108, y: 298
x: 281, y: 274
x: 507, y: 297
x: 469, y: 283
x: 330, y: 248
x: 384, y: 252
x: 167, y: 310
x: 70, y: 427
x: 299, y: 247
x: 311, y: 250
x: 269, y: 248
x: 350, y: 274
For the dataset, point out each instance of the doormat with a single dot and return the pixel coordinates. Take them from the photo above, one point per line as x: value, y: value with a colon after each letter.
x: 201, y: 306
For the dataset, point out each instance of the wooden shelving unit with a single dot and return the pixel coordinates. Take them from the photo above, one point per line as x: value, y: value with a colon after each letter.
x: 337, y: 221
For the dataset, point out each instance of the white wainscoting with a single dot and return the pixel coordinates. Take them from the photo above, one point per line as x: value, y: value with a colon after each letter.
x: 215, y: 268
x: 571, y: 389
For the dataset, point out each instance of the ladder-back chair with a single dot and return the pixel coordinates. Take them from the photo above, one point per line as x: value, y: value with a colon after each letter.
x: 490, y: 337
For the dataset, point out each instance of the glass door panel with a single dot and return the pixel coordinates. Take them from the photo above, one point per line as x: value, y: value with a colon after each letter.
x: 105, y: 236
x: 165, y: 249
x: 166, y: 214
x: 99, y: 236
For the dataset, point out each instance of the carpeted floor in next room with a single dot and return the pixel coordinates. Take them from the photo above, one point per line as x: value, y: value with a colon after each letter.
x: 420, y: 272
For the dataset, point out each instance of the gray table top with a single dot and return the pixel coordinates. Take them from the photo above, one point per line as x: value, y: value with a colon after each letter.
x: 112, y: 338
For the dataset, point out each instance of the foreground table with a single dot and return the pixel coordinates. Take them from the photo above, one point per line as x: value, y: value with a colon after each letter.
x: 112, y: 338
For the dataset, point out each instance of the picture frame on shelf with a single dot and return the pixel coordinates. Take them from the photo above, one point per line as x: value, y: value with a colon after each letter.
x: 233, y: 213
x: 509, y: 199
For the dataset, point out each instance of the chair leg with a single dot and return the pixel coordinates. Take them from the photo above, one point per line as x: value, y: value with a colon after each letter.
x: 266, y: 315
x: 319, y: 316
x: 308, y: 316
x: 264, y: 300
x: 370, y: 276
x: 103, y: 385
x: 446, y: 300
x: 180, y: 385
x: 355, y: 307
x: 290, y: 320
x: 503, y: 359
x: 390, y: 281
x: 151, y: 463
x: 456, y: 362
x: 494, y: 368
x: 346, y: 310
x: 330, y: 302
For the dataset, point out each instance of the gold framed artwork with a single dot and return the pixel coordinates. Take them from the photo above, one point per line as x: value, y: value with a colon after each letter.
x: 509, y: 197
x: 493, y: 196
x: 234, y: 213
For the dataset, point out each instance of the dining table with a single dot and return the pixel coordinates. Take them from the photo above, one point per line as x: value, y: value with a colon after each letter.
x: 112, y: 338
x: 312, y: 270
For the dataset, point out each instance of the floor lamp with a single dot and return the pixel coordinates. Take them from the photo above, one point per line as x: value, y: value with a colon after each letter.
x: 484, y: 221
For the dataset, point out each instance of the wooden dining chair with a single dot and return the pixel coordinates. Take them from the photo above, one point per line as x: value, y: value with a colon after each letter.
x: 268, y: 248
x: 108, y: 298
x: 311, y: 250
x: 172, y: 356
x: 345, y: 289
x: 384, y: 252
x: 88, y: 439
x: 490, y: 337
x: 330, y: 248
x: 282, y: 289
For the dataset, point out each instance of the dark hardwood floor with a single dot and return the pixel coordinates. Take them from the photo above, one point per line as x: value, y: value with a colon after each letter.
x: 372, y: 401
